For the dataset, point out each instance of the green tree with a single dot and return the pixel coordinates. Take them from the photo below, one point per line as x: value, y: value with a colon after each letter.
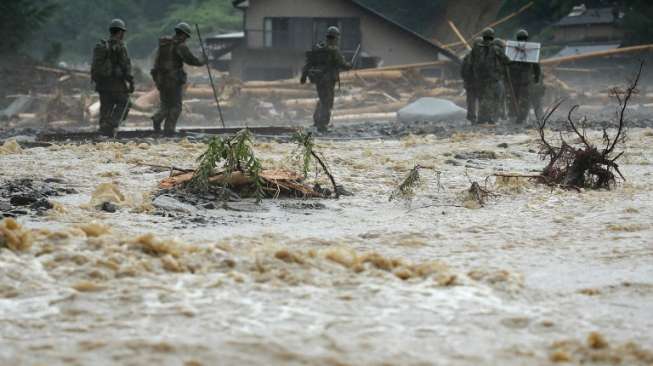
x: 20, y: 19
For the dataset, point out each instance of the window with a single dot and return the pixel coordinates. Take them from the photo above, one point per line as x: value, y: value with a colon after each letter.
x: 288, y: 33
x: 303, y: 33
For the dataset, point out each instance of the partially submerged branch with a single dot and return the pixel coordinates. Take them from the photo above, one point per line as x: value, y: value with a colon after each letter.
x: 586, y: 166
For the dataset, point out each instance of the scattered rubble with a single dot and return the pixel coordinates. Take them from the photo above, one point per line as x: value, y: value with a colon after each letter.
x: 24, y: 196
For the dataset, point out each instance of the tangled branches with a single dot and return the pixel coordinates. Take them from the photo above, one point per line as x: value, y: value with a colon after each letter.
x: 306, y: 144
x: 236, y: 155
x: 583, y: 164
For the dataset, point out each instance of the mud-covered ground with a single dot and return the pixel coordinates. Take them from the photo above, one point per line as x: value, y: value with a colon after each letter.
x: 536, y: 276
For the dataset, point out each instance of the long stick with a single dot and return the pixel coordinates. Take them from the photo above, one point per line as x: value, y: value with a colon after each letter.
x: 208, y: 68
x: 495, y: 23
x: 459, y: 35
x: 617, y: 51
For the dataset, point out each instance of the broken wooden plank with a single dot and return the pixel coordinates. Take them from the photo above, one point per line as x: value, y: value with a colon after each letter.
x: 459, y: 35
x: 618, y: 51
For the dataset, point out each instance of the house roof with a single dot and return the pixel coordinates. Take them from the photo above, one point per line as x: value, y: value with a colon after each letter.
x: 401, y: 28
x: 589, y: 16
x: 587, y: 48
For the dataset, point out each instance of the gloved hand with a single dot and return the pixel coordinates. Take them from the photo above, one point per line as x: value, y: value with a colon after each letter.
x: 303, y: 79
x: 131, y: 89
x: 348, y: 66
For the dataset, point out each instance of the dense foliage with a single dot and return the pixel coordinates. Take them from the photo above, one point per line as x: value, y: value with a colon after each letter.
x: 78, y: 24
x: 20, y: 19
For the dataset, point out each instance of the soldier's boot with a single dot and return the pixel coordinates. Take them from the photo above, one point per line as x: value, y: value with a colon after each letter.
x: 171, y: 121
x: 156, y: 124
x: 317, y: 115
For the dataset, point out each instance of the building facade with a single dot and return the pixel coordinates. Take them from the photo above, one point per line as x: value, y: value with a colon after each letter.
x: 277, y: 33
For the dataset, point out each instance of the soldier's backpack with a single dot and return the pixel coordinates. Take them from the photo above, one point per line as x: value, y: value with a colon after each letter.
x: 102, y: 64
x: 164, y: 61
x: 486, y: 62
x: 318, y: 62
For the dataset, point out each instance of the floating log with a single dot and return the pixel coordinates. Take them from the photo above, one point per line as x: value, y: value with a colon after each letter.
x: 277, y: 92
x: 147, y: 101
x: 381, y: 108
x: 365, y: 117
x: 439, y: 92
x: 618, y: 51
x: 310, y: 102
x: 62, y: 71
x: 459, y: 35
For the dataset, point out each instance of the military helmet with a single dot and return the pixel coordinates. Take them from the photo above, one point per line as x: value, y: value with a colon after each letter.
x: 333, y: 32
x: 184, y: 28
x: 522, y: 34
x: 117, y: 24
x: 488, y: 33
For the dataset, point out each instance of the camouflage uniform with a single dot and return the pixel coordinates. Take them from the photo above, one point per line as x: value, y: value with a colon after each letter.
x: 523, y: 76
x: 536, y: 94
x: 488, y: 65
x: 169, y: 76
x: 114, y: 91
x: 470, y: 87
x: 525, y: 81
x: 323, y: 66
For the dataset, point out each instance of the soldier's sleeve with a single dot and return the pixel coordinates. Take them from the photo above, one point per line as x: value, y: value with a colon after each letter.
x: 342, y: 63
x: 537, y: 72
x: 126, y: 64
x: 187, y: 56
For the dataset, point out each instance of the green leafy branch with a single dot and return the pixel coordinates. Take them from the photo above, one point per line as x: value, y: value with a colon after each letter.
x: 235, y: 154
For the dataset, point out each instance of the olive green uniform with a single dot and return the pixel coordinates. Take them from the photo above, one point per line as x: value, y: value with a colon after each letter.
x: 323, y: 66
x: 114, y: 90
x: 169, y: 76
x: 488, y: 64
x: 523, y: 76
x: 471, y: 92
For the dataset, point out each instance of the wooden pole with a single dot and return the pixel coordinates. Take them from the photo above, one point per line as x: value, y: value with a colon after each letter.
x: 618, y: 51
x: 208, y: 68
x: 494, y: 24
x: 459, y: 35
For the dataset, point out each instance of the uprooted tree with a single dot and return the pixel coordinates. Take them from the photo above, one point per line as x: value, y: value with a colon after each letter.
x: 230, y: 167
x: 583, y: 164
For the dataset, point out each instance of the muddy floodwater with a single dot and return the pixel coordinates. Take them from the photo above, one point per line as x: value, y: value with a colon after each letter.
x: 536, y: 276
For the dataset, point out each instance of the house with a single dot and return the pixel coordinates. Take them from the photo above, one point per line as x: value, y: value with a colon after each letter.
x: 589, y: 25
x: 277, y: 33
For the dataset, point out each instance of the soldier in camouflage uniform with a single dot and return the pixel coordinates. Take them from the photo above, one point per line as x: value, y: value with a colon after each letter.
x: 488, y: 64
x: 523, y: 77
x: 169, y: 76
x: 471, y: 87
x: 114, y: 82
x: 323, y: 65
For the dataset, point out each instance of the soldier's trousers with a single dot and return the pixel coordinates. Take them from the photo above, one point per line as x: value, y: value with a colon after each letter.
x: 522, y: 102
x: 489, y: 101
x: 326, y: 94
x: 472, y: 99
x: 171, y: 96
x: 112, y: 108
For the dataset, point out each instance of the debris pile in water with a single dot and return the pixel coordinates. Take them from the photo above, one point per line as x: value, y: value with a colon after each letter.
x: 25, y: 195
x: 597, y: 350
x: 242, y: 175
x: 585, y: 165
x: 13, y: 236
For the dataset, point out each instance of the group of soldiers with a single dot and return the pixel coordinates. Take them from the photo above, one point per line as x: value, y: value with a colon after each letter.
x: 494, y: 84
x: 111, y: 71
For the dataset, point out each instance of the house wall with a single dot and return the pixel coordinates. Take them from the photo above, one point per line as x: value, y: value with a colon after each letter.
x: 581, y: 33
x: 379, y: 38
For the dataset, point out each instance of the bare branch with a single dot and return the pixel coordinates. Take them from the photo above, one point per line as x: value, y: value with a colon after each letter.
x: 623, y: 106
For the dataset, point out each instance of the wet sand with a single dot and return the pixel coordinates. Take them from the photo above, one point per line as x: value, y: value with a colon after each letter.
x: 524, y: 280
